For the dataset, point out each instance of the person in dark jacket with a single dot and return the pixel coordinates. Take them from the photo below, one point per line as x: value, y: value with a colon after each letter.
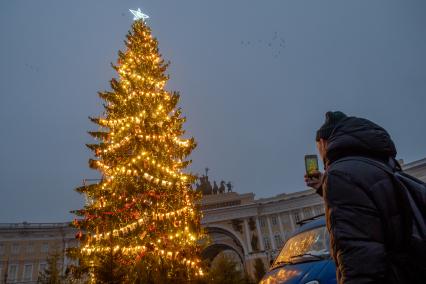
x: 363, y: 217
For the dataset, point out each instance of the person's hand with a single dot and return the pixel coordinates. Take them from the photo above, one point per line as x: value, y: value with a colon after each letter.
x: 314, y: 180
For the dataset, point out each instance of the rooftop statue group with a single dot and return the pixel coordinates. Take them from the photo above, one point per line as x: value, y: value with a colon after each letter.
x: 205, y: 187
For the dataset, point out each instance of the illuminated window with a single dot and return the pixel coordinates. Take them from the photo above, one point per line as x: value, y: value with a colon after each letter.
x: 28, y: 272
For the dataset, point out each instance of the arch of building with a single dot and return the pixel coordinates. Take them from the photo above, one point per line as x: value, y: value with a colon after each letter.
x: 223, y: 239
x: 213, y: 250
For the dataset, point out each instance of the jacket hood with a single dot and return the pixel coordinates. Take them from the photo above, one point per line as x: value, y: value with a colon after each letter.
x: 355, y: 136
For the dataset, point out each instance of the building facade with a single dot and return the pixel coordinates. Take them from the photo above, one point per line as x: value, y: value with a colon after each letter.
x: 250, y: 228
x: 25, y: 247
x: 416, y: 168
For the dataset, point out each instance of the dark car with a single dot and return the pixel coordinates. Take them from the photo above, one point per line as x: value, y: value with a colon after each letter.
x: 305, y: 257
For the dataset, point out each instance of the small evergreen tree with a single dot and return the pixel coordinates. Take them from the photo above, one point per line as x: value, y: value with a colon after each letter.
x: 52, y: 273
x: 259, y: 269
x: 225, y: 271
x: 109, y: 271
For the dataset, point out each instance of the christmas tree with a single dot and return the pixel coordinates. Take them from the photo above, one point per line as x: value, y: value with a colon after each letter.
x: 140, y: 223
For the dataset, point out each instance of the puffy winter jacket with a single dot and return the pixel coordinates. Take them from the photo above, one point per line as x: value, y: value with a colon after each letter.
x: 365, y: 221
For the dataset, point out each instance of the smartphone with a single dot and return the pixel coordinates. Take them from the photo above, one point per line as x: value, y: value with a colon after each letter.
x: 311, y: 164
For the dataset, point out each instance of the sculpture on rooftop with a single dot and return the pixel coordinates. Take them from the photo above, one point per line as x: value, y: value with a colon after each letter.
x: 204, y: 185
x: 215, y: 188
x: 222, y: 187
x: 229, y: 186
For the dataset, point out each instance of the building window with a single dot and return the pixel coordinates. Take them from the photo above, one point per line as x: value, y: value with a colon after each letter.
x: 286, y: 222
x: 42, y: 267
x: 319, y: 209
x: 28, y: 272
x: 296, y: 216
x: 30, y: 248
x: 262, y: 222
x: 13, y: 271
x: 278, y: 241
x: 1, y: 250
x: 267, y: 243
x: 307, y: 212
x: 59, y: 265
x: 285, y: 237
x: 274, y: 220
x: 15, y: 248
x: 45, y: 247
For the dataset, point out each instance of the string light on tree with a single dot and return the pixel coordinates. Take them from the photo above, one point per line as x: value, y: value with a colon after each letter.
x: 142, y: 212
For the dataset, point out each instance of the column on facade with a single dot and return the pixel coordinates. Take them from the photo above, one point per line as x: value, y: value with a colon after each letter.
x: 65, y: 260
x: 64, y: 252
x: 259, y: 234
x: 248, y: 240
x: 293, y: 227
x: 271, y: 237
x: 280, y: 224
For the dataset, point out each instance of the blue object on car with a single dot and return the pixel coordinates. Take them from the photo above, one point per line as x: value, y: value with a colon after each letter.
x: 305, y: 258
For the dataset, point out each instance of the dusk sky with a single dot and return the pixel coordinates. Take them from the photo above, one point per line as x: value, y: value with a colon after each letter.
x: 255, y: 78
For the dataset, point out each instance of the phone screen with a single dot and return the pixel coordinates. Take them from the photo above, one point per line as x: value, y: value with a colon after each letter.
x: 311, y: 164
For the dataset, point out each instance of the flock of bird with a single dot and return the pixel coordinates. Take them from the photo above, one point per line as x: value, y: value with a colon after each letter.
x: 275, y: 44
x: 32, y: 67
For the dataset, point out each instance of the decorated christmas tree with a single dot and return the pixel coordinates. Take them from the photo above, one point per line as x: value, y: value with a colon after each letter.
x: 139, y: 224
